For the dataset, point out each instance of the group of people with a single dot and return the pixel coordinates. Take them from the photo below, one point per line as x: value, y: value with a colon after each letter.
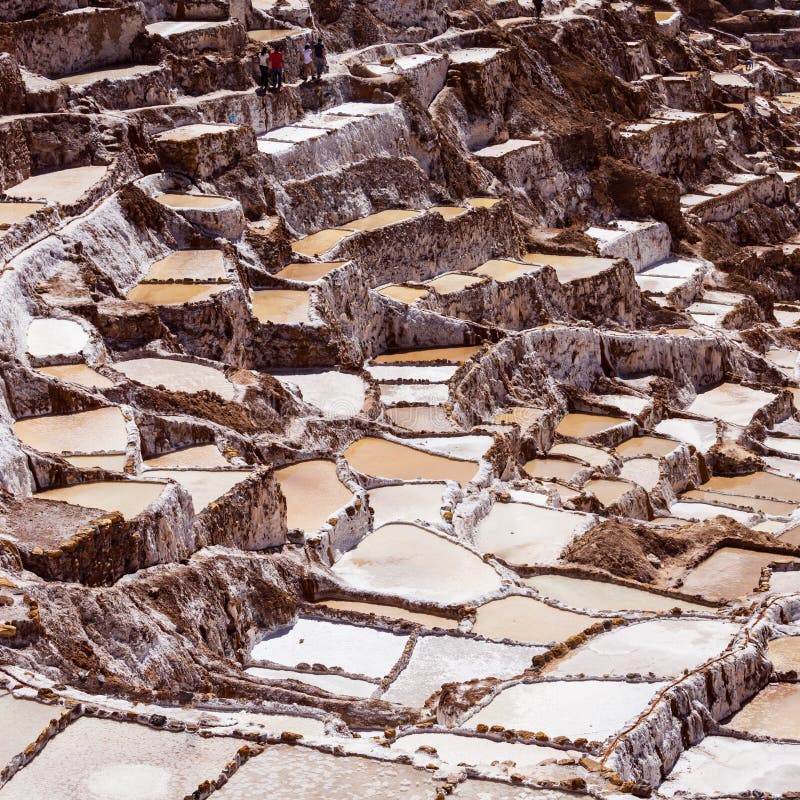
x: 314, y: 63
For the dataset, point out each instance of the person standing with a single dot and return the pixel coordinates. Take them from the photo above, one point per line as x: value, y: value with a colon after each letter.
x: 538, y: 4
x: 320, y: 61
x: 276, y: 64
x: 308, y: 66
x: 263, y: 63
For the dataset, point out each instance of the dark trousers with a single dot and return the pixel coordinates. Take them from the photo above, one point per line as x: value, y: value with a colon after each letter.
x: 277, y: 77
x: 264, y: 77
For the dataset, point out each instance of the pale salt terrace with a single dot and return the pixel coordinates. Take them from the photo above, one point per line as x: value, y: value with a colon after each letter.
x: 204, y: 455
x: 204, y: 485
x: 436, y: 660
x: 281, y: 306
x: 318, y: 243
x: 407, y: 502
x: 130, y: 498
x: 591, y: 455
x: 697, y: 511
x: 608, y: 491
x: 115, y: 463
x: 308, y: 273
x: 579, y: 425
x: 305, y: 478
x: 337, y: 395
x: 643, y: 471
x: 199, y: 201
x: 426, y: 393
x: 420, y: 418
x: 700, y: 433
x: 79, y: 374
x: 784, y: 653
x: 773, y: 712
x: 406, y: 560
x: 450, y: 355
x: 391, y: 612
x: 391, y: 372
x: 588, y: 708
x: 756, y: 484
x: 177, y: 376
x: 64, y: 186
x: 99, y: 430
x: 21, y: 722
x: 646, y: 446
x: 195, y: 265
x: 336, y: 684
x: 554, y: 468
x: 174, y: 294
x: 356, y: 649
x: 55, y: 337
x: 731, y: 403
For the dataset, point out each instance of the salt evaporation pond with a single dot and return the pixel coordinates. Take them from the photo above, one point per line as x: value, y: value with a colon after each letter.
x: 608, y: 491
x: 700, y: 433
x: 663, y: 647
x: 593, y: 709
x: 177, y: 376
x: 461, y: 447
x: 406, y: 560
x: 757, y: 484
x: 526, y: 534
x: 720, y: 765
x: 204, y: 485
x: 96, y: 759
x: 337, y: 394
x: 492, y: 790
x: 354, y: 648
x: 436, y: 660
x: 428, y: 393
x: 604, y: 596
x: 310, y: 272
x: 731, y: 403
x: 289, y: 773
x: 702, y: 511
x: 451, y: 355
x: 204, y: 455
x: 281, y: 306
x: 425, y: 419
x: 195, y: 265
x: 78, y: 373
x: 554, y: 468
x: 205, y: 201
x: 582, y: 426
x: 591, y: 455
x: 315, y: 478
x: 102, y: 429
x: 391, y: 612
x: 643, y: 471
x: 773, y: 712
x: 335, y: 684
x: 21, y: 722
x: 407, y: 502
x: 784, y: 653
x: 777, y: 508
x: 646, y: 446
x: 128, y: 497
x: 174, y: 294
x: 114, y: 463
x: 527, y: 620
x: 398, y: 372
x: 386, y: 459
x: 55, y: 337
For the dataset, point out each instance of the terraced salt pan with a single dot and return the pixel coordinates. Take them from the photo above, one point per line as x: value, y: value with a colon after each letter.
x: 335, y: 684
x: 773, y: 712
x: 403, y: 294
x: 570, y: 268
x: 580, y: 426
x: 451, y: 355
x: 784, y: 444
x: 55, y: 337
x: 553, y: 468
x: 337, y: 394
x: 420, y: 418
x: 204, y: 486
x: 391, y: 612
x: 102, y: 429
x: 527, y: 620
x: 604, y: 596
x: 784, y: 653
x: 78, y: 373
x: 607, y: 491
x: 436, y: 374
x: 729, y: 573
x: 174, y: 294
x: 377, y: 457
x: 518, y: 415
x: 407, y: 503
x: 203, y: 201
x: 701, y: 511
x: 65, y: 186
x: 785, y: 582
x: 288, y: 773
x: 317, y: 479
x: 591, y: 455
x: 492, y: 790
x: 354, y: 648
x: 761, y: 484
x: 772, y: 507
x: 452, y: 282
x: 465, y: 447
x: 720, y: 765
x: 195, y: 265
x: 643, y: 471
x: 526, y: 534
x: 21, y: 722
x: 628, y: 404
x: 14, y: 213
x: 427, y: 393
x: 436, y: 660
x: 731, y: 403
x: 593, y: 709
x: 641, y: 446
x: 115, y: 463
x: 280, y: 306
x: 128, y: 497
x: 266, y: 36
x: 699, y: 433
x: 663, y: 647
x: 406, y: 560
x: 375, y: 222
x: 504, y: 271
x: 177, y: 376
x: 205, y: 455
x: 449, y: 212
x: 107, y: 74
x: 95, y: 759
x: 318, y: 243
x: 310, y: 272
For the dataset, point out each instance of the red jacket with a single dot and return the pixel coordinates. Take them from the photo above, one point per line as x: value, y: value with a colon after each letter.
x: 276, y: 59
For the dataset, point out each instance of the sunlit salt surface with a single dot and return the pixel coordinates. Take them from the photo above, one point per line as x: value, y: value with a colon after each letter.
x: 21, y: 722
x: 702, y: 434
x: 409, y: 561
x: 424, y: 419
x: 391, y: 612
x: 128, y: 497
x: 281, y: 306
x: 784, y: 653
x: 96, y: 759
x: 204, y: 201
x: 437, y: 660
x: 591, y: 455
x: 731, y: 403
x: 757, y: 484
x: 461, y: 447
x: 428, y: 393
x: 202, y: 484
x: 525, y: 534
x: 580, y: 426
x: 594, y: 709
x: 494, y: 790
x: 174, y: 294
x: 204, y: 455
x: 78, y: 373
x: 729, y: 573
x: 785, y: 582
x: 355, y: 648
x: 451, y: 355
x: 291, y: 773
x: 335, y: 684
x: 773, y: 712
x: 554, y: 468
x: 336, y: 394
x: 663, y: 647
x: 306, y: 478
x: 197, y: 265
x: 399, y: 372
x: 608, y: 491
x: 406, y: 502
x: 115, y: 463
x: 62, y: 186
x: 721, y: 765
x: 603, y: 596
x: 177, y: 376
x: 776, y: 508
x: 100, y: 430
x: 700, y: 511
x: 54, y: 337
x: 646, y: 446
x: 308, y: 272
x: 527, y: 620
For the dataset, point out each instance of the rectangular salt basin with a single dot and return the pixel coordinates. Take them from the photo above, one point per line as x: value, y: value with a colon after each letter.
x: 100, y: 430
x: 420, y: 418
x: 205, y: 455
x: 104, y: 759
x: 65, y: 186
x: 702, y: 511
x: 699, y: 433
x: 204, y: 485
x: 757, y: 484
x: 570, y: 268
x: 775, y: 508
x: 79, y: 374
x: 308, y: 272
x: 356, y: 649
x: 427, y: 393
x: 280, y: 306
x: 731, y: 403
x: 773, y: 712
x: 436, y: 660
x: 177, y: 376
x: 335, y: 684
x: 578, y: 425
x: 391, y: 372
x: 197, y: 265
x: 407, y: 502
x: 130, y: 498
x: 524, y: 619
x: 175, y: 294
x: 21, y: 722
x: 336, y: 394
x: 317, y: 478
x: 391, y: 612
x: 450, y: 355
x: 318, y: 243
x: 374, y: 222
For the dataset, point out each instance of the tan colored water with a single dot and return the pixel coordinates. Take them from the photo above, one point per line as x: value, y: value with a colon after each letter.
x: 317, y: 479
x: 177, y: 376
x: 449, y: 212
x: 198, y: 265
x: 452, y: 282
x: 645, y: 446
x: 774, y: 712
x: 518, y: 415
x: 78, y: 373
x: 570, y: 268
x: 391, y: 612
x: 774, y: 508
x: 21, y: 722
x: 405, y: 294
x: 482, y: 202
x: 110, y: 73
x: 318, y: 243
x: 764, y: 484
x: 608, y: 492
x: 603, y: 596
x: 174, y: 294
x: 579, y: 425
x: 731, y: 403
x: 452, y: 355
x: 203, y: 485
x: 114, y: 463
x: 591, y: 455
x: 784, y: 653
x: 663, y: 16
x: 729, y: 573
x: 374, y: 222
x: 128, y: 497
x: 527, y: 620
x: 64, y: 186
x: 502, y: 271
x: 206, y: 455
x: 206, y: 201
x: 406, y: 560
x: 12, y: 213
x: 280, y: 306
x: 791, y: 536
x: 266, y: 36
x: 308, y: 272
x: 100, y: 430
x: 422, y: 419
x: 553, y: 468
x: 385, y: 459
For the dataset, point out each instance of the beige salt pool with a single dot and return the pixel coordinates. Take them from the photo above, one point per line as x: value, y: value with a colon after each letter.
x: 762, y: 484
x: 174, y: 294
x: 772, y: 507
x: 21, y: 722
x: 315, y: 478
x: 646, y: 446
x: 527, y: 620
x: 205, y: 201
x: 374, y: 222
x: 406, y: 560
x: 128, y: 497
x: 773, y: 712
x: 451, y: 355
x: 407, y: 502
x: 308, y: 272
x: 115, y: 463
x: 449, y: 212
x: 281, y: 306
x: 403, y: 294
x: 421, y: 419
x: 97, y: 759
x: 603, y: 596
x: 784, y: 653
x: 78, y: 373
x: 453, y: 282
x: 643, y: 471
x: 318, y: 243
x: 503, y: 271
x: 203, y: 485
x: 177, y: 376
x: 336, y: 684
x: 570, y: 268
x: 206, y: 455
x: 102, y: 429
x: 55, y: 337
x: 608, y: 491
x: 195, y: 265
x: 385, y: 459
x: 526, y: 534
x: 64, y: 186
x: 580, y: 426
x: 518, y: 415
x: 591, y: 455
x: 731, y: 403
x: 554, y: 468
x: 336, y: 394
x: 391, y: 612
x: 14, y: 213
